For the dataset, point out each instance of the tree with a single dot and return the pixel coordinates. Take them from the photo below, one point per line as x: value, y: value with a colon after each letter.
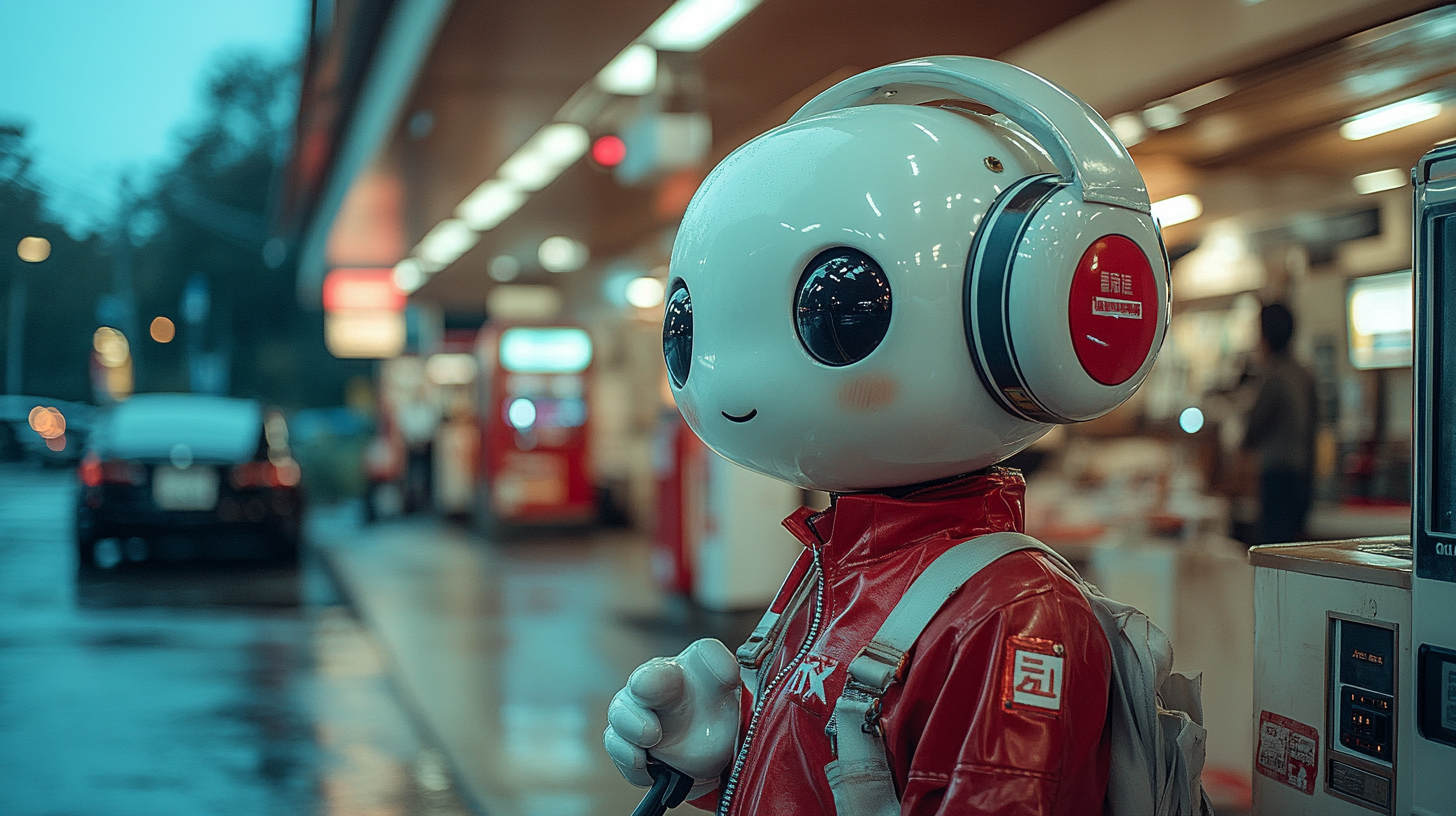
x: 207, y: 215
x: 61, y: 291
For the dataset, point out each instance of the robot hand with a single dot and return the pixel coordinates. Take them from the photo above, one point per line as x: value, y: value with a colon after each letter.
x: 684, y: 709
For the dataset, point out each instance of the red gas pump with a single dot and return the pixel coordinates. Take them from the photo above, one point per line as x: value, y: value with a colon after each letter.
x: 533, y: 423
x: 680, y: 462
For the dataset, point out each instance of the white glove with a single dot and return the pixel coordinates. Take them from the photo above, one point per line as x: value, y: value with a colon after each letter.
x: 685, y: 709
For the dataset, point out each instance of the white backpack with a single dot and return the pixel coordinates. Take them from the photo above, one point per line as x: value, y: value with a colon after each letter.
x: 1155, y: 715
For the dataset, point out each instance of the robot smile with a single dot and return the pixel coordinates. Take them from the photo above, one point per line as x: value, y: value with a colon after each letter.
x: 744, y: 418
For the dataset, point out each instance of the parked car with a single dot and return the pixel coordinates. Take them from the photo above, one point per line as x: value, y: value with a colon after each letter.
x: 191, y: 476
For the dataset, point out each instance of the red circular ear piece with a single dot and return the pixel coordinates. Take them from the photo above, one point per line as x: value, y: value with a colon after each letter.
x: 1113, y: 309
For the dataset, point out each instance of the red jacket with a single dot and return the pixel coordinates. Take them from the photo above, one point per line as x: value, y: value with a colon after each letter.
x: 978, y: 725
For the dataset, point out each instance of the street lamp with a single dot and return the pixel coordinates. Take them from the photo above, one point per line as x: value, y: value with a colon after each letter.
x: 32, y: 249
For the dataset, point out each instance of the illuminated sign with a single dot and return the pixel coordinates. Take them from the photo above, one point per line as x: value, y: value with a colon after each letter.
x: 347, y: 290
x: 364, y: 334
x: 1381, y: 316
x: 545, y: 350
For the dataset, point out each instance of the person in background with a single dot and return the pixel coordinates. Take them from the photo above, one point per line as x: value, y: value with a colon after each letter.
x: 1281, y: 428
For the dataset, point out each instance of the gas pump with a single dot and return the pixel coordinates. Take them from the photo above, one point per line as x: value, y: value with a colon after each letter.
x: 1355, y: 641
x: 533, y: 414
x: 1433, y: 586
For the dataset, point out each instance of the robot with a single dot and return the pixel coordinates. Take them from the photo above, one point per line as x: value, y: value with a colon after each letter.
x: 921, y: 273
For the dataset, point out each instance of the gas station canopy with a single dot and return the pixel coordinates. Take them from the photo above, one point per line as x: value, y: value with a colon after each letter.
x: 408, y: 106
x: 423, y: 129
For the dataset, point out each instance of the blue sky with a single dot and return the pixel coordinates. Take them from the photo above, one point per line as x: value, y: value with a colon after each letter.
x: 103, y: 85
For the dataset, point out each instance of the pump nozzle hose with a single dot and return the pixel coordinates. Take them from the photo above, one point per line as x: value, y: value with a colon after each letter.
x: 669, y: 789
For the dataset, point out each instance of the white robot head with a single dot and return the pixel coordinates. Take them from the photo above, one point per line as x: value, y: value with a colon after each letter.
x: 893, y: 288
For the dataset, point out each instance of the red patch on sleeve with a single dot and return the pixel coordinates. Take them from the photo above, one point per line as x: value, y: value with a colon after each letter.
x: 1032, y: 675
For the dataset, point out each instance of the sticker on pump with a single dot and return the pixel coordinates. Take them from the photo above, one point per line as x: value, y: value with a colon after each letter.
x: 1288, y: 751
x: 1113, y: 309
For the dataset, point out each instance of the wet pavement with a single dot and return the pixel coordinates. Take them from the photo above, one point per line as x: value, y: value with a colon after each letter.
x: 406, y: 668
x: 512, y: 650
x: 158, y: 689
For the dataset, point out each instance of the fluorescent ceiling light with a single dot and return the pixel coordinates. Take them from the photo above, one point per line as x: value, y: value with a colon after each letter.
x: 490, y: 204
x: 1177, y: 209
x: 446, y: 242
x: 541, y: 160
x: 1391, y: 117
x: 529, y: 171
x: 632, y: 73
x: 560, y: 143
x: 409, y: 276
x: 1380, y: 180
x: 1128, y: 128
x: 1163, y: 116
x: 561, y: 254
x: 691, y: 24
x: 1202, y: 95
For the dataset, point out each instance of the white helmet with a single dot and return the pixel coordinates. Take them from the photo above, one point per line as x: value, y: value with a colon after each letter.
x: 897, y: 286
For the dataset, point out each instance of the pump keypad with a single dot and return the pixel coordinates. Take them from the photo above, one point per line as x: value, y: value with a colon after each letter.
x: 1365, y: 722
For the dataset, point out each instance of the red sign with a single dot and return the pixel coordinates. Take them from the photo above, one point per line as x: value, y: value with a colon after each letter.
x: 361, y: 290
x: 1113, y: 309
x: 1288, y: 752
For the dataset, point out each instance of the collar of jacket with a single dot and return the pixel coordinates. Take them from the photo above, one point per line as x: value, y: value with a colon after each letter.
x: 863, y: 527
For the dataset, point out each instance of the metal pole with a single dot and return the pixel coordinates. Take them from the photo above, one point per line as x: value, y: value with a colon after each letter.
x: 121, y: 284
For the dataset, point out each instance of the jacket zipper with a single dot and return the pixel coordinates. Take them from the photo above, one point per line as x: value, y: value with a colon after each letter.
x: 725, y: 799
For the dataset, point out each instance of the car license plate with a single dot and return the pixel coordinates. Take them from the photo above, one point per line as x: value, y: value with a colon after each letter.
x: 193, y: 488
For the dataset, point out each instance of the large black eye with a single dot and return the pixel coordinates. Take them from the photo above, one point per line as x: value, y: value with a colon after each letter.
x: 677, y: 333
x: 843, y: 308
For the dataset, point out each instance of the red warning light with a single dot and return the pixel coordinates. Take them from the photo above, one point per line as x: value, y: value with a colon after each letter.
x: 609, y: 150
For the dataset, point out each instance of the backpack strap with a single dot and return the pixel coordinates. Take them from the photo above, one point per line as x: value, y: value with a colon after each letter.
x: 860, y: 774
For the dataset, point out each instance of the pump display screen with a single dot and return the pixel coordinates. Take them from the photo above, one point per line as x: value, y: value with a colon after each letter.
x: 1436, y: 711
x: 1443, y: 314
x: 1447, y: 689
x: 1367, y: 657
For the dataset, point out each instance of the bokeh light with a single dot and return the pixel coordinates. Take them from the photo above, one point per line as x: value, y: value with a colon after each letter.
x: 504, y: 268
x: 163, y: 329
x: 49, y: 422
x: 1191, y: 420
x: 645, y: 292
x: 111, y: 345
x: 521, y: 414
x: 609, y: 150
x: 33, y: 249
x: 561, y: 254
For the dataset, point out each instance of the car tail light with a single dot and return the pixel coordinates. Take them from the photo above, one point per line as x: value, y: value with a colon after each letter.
x: 90, y: 471
x: 265, y: 474
x: 95, y: 472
